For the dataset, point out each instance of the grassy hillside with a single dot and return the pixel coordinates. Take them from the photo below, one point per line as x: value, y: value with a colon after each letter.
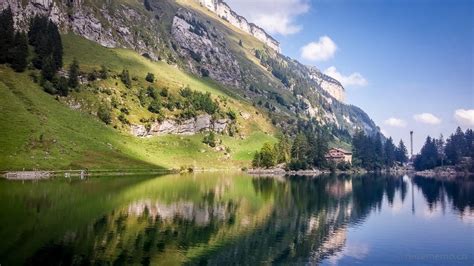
x: 40, y: 131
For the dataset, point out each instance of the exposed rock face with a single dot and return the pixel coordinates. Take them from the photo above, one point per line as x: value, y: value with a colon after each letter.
x: 330, y: 85
x: 205, y: 47
x: 188, y: 127
x: 221, y: 9
x: 109, y: 29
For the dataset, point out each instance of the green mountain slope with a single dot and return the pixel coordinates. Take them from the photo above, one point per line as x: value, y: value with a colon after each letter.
x: 38, y: 131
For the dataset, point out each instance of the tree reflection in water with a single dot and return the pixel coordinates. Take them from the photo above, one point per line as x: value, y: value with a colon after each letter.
x: 236, y: 220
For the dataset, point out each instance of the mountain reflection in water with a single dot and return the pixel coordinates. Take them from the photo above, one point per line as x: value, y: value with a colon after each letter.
x: 235, y: 219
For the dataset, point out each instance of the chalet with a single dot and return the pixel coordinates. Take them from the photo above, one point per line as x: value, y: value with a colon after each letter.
x: 339, y: 155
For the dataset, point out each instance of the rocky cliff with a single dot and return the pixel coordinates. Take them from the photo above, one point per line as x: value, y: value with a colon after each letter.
x: 201, y: 43
x: 188, y: 127
x: 117, y: 26
x: 221, y: 9
x: 330, y: 85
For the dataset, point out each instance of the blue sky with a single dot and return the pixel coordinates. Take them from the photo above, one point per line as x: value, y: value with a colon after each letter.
x: 407, y: 57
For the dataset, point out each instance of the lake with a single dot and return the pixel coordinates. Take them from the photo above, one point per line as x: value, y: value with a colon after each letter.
x: 233, y: 218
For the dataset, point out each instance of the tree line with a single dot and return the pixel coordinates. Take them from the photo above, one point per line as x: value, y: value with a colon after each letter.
x: 370, y: 152
x: 43, y: 35
x: 13, y: 44
x: 306, y: 150
x: 437, y: 152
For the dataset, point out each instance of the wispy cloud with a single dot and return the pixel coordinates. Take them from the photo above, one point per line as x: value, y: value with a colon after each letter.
x: 427, y: 118
x: 322, y: 50
x: 464, y: 117
x: 275, y: 16
x: 395, y: 122
x: 353, y: 80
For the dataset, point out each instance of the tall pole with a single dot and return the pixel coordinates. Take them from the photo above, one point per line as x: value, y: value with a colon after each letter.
x: 411, y: 144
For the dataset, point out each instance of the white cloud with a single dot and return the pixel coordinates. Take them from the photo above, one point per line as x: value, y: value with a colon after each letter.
x: 395, y: 122
x: 275, y: 16
x: 427, y: 118
x: 355, y: 79
x: 322, y: 50
x: 464, y: 117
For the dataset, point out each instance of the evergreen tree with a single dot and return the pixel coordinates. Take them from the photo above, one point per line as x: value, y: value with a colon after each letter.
x: 56, y: 44
x: 389, y: 152
x: 73, y: 81
x: 7, y: 33
x: 428, y: 157
x: 48, y: 69
x: 62, y: 86
x: 299, y: 150
x: 267, y: 155
x: 379, y: 152
x: 318, y: 147
x: 401, y: 153
x: 455, y: 147
x: 283, y: 149
x: 44, y: 36
x: 20, y: 52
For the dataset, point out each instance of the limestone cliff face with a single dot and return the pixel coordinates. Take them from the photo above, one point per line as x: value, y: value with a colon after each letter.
x: 109, y: 27
x: 221, y: 9
x: 188, y: 127
x: 330, y: 85
x: 204, y: 49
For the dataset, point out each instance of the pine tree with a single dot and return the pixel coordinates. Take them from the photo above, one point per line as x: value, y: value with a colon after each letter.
x: 7, y: 33
x: 428, y: 157
x: 267, y: 155
x: 62, y: 86
x: 73, y: 81
x: 299, y: 150
x: 455, y: 147
x: 401, y: 153
x: 20, y: 52
x: 389, y: 152
x: 48, y: 69
x: 45, y: 37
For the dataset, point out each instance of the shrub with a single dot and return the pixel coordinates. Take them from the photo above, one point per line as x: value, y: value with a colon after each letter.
x: 62, y: 86
x: 150, y: 77
x: 123, y: 119
x: 104, y: 114
x: 49, y: 87
x: 103, y: 72
x: 74, y: 74
x: 125, y: 78
x: 155, y: 106
x: 210, y: 139
x: 231, y: 114
x: 164, y: 92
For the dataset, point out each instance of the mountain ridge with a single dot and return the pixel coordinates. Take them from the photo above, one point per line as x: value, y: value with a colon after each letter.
x: 188, y: 38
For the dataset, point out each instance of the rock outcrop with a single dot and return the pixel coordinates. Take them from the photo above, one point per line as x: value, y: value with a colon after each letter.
x: 188, y: 127
x: 109, y: 28
x: 205, y: 49
x: 330, y: 85
x: 222, y: 10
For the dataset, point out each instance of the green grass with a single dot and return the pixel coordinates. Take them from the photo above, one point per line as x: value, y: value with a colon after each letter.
x: 41, y: 132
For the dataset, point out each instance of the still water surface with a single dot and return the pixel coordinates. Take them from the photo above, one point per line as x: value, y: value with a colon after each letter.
x: 224, y: 219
